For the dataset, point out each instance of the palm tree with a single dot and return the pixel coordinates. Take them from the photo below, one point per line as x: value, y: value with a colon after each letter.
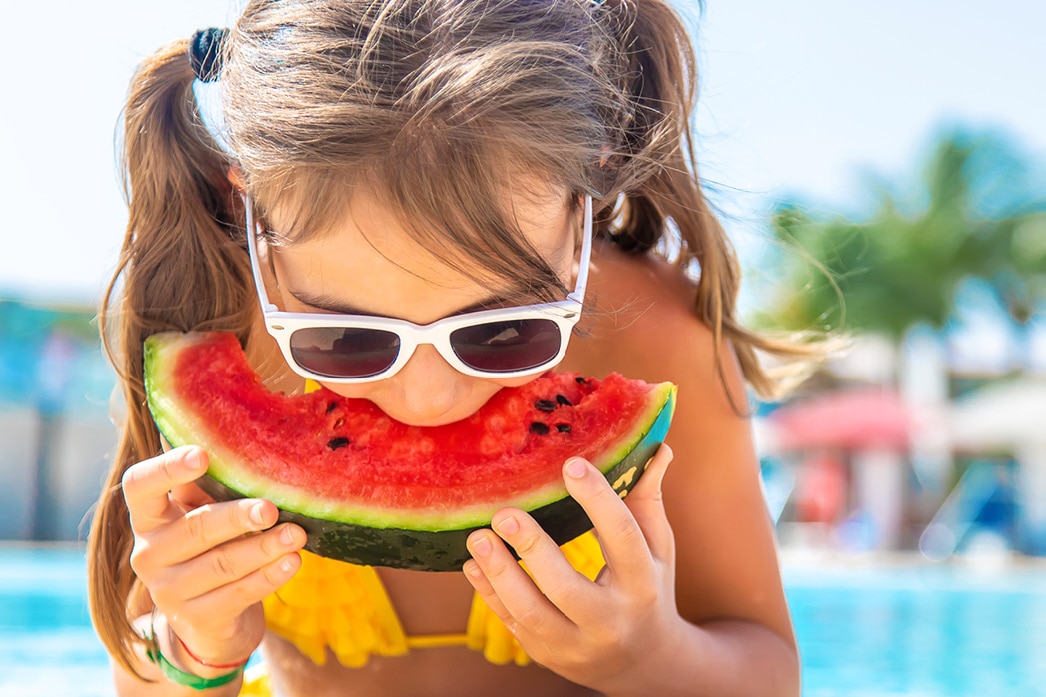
x: 982, y: 218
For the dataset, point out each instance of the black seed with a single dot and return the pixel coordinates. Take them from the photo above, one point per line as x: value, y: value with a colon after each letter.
x: 331, y: 407
x: 339, y: 442
x: 545, y: 405
x: 539, y: 428
x: 581, y: 381
x: 563, y: 428
x: 562, y: 399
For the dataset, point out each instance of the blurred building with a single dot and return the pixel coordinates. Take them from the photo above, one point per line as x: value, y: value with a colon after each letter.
x: 56, y: 438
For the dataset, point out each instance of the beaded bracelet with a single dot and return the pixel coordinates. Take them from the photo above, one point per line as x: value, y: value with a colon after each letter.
x: 178, y: 676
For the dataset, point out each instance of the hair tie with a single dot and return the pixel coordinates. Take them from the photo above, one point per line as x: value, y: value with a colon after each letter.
x: 206, y: 57
x: 205, y: 53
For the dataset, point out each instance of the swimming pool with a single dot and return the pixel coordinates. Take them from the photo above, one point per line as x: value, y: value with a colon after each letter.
x: 920, y: 630
x: 915, y: 630
x: 47, y: 646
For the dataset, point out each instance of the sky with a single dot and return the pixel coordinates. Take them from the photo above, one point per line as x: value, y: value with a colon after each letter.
x: 799, y: 99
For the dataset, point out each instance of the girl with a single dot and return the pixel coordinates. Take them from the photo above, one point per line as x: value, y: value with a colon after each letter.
x: 421, y: 159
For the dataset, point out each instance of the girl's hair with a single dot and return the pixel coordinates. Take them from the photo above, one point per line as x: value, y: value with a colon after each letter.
x: 437, y: 106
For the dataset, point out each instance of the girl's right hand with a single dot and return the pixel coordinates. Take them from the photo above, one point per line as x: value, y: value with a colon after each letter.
x: 206, y: 565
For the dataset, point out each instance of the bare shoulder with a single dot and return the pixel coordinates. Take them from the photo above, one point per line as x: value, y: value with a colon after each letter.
x: 640, y: 322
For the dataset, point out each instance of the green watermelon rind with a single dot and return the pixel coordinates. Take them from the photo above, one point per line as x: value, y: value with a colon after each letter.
x: 426, y: 540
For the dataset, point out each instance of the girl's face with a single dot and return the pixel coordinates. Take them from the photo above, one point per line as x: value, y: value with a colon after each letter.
x: 370, y: 265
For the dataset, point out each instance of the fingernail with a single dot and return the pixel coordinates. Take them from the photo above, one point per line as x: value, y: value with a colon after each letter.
x: 576, y: 467
x: 192, y: 460
x: 287, y: 536
x: 481, y: 546
x: 509, y: 526
x: 257, y: 513
x: 287, y: 565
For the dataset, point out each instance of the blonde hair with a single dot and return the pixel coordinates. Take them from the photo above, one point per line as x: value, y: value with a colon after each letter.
x: 434, y: 104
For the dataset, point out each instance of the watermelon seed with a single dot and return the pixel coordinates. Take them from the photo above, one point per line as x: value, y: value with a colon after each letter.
x: 331, y: 407
x: 539, y: 428
x: 545, y: 405
x: 563, y: 428
x: 339, y: 442
x: 562, y: 399
x: 581, y: 381
x: 339, y: 423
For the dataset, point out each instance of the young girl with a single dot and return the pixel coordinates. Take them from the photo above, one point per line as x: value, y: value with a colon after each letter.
x: 418, y: 160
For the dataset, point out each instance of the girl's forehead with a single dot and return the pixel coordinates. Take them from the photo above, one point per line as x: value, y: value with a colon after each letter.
x: 539, y: 212
x: 370, y: 261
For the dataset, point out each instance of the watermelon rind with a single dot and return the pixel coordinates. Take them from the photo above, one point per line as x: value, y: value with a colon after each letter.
x: 429, y: 540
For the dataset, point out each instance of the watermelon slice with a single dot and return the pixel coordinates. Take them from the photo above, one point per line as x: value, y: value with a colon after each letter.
x: 371, y: 490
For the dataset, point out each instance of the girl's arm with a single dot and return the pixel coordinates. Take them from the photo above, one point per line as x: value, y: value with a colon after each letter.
x: 739, y: 638
x: 725, y: 628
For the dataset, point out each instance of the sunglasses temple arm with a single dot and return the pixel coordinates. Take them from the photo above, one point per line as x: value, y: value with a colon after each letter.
x: 586, y: 253
x: 252, y: 250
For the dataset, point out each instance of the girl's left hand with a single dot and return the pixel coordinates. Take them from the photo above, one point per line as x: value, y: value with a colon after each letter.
x: 595, y: 633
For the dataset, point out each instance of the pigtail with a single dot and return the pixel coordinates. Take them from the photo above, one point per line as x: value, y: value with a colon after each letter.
x: 182, y: 267
x: 655, y: 167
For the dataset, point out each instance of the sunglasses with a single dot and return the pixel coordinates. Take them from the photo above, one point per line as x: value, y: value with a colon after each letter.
x: 505, y: 342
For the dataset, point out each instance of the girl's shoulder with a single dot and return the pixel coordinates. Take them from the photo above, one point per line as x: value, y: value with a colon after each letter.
x: 620, y: 277
x: 639, y: 318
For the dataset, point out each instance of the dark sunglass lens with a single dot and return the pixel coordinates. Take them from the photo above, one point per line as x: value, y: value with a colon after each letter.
x: 504, y: 347
x: 344, y: 353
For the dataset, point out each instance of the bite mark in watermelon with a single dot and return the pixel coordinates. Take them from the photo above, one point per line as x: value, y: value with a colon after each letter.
x: 371, y: 490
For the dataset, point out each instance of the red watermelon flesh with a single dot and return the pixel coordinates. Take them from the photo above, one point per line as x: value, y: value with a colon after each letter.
x: 343, y: 460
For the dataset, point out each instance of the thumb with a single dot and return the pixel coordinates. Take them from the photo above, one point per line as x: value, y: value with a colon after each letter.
x: 646, y: 503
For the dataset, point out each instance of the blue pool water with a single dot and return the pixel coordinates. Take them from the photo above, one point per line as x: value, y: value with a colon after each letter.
x: 919, y: 631
x: 47, y: 646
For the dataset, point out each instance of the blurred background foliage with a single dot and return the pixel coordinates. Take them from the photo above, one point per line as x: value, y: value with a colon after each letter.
x: 977, y: 215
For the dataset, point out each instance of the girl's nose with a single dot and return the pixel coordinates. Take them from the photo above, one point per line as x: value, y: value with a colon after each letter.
x: 429, y: 387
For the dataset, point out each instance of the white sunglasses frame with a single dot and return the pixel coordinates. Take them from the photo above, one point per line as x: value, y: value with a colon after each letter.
x: 281, y: 325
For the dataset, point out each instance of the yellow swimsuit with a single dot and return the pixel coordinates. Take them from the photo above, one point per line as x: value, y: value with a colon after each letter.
x: 344, y: 607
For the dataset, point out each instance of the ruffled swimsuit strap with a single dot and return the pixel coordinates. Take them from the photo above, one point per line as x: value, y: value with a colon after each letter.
x: 337, y: 605
x: 345, y: 607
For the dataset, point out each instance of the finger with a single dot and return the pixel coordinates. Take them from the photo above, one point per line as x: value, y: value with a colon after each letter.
x: 146, y: 485
x: 233, y: 561
x: 190, y: 496
x: 234, y: 598
x: 570, y: 591
x: 204, y: 528
x: 474, y: 574
x: 624, y: 546
x: 648, y: 505
x: 516, y: 595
